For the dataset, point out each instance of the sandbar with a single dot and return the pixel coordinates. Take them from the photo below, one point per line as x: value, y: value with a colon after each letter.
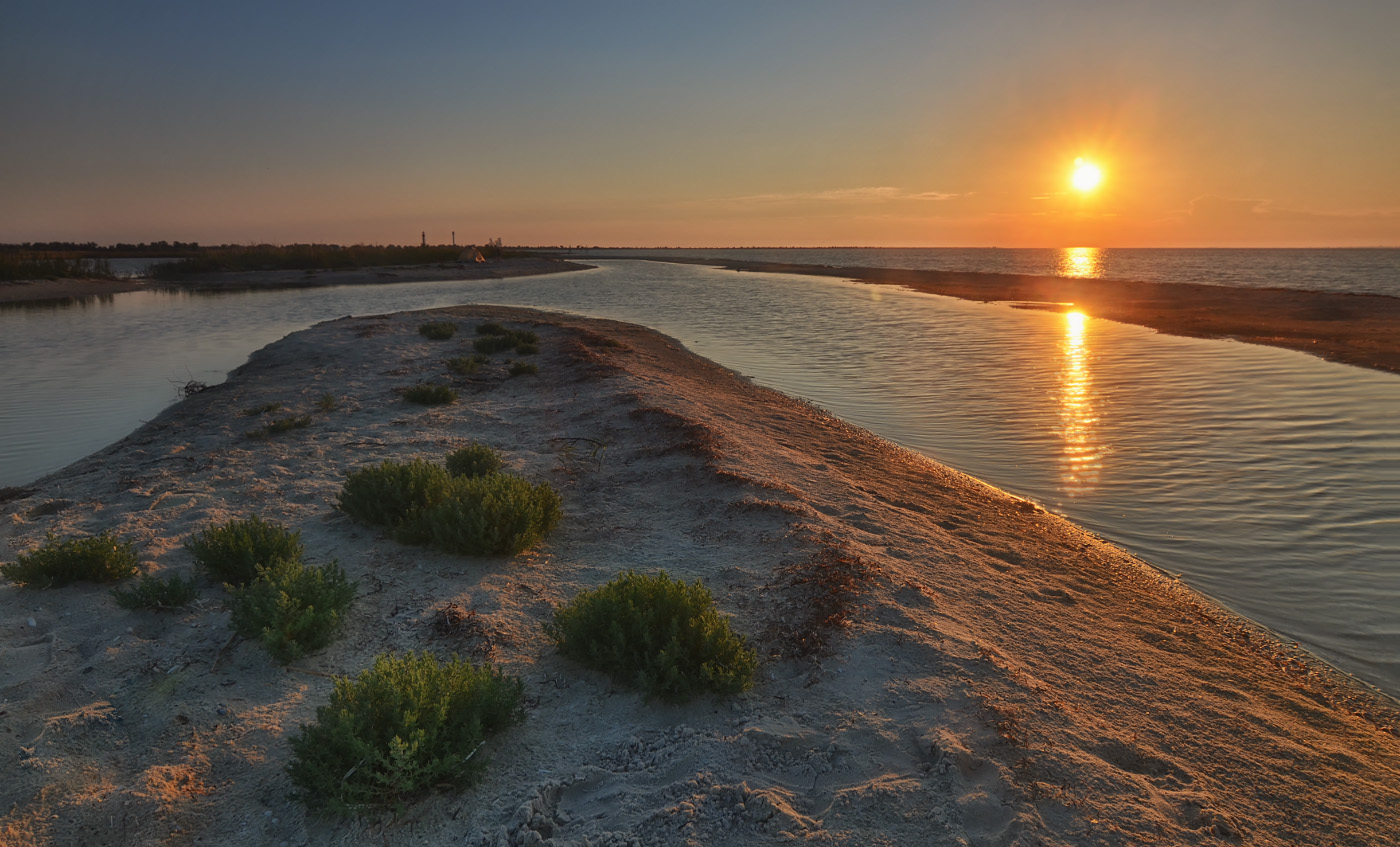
x: 1355, y: 329
x: 996, y: 676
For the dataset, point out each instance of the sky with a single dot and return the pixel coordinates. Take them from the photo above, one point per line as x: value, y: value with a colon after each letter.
x: 717, y: 123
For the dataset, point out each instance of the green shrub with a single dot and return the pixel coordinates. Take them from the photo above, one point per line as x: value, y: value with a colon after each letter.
x: 658, y: 634
x: 523, y: 369
x: 491, y: 328
x: 421, y: 503
x: 291, y: 608
x: 263, y: 409
x: 391, y: 495
x: 496, y: 515
x: 430, y: 394
x: 404, y: 727
x: 527, y: 349
x: 158, y: 594
x: 97, y: 558
x: 466, y: 365
x: 232, y: 552
x: 328, y: 402
x: 475, y: 459
x: 438, y: 330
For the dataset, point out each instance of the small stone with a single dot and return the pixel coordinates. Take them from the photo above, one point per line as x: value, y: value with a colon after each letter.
x: 33, y: 622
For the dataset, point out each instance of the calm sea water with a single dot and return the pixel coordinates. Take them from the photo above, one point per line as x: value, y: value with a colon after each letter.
x: 1358, y: 271
x: 1266, y: 478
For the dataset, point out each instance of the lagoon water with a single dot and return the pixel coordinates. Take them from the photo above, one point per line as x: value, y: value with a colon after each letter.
x: 1267, y: 479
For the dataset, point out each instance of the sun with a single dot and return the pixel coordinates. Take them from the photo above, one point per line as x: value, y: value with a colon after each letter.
x: 1086, y: 176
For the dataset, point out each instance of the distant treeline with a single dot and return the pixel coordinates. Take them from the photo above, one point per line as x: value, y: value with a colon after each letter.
x: 93, y: 250
x: 266, y: 257
x: 17, y: 265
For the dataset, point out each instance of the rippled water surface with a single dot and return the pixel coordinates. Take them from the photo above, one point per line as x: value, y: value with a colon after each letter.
x: 1268, y: 479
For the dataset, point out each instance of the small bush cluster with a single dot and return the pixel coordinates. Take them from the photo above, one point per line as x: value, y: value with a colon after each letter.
x: 292, y: 608
x: 523, y: 369
x: 421, y: 503
x: 97, y: 558
x: 158, y: 594
x: 475, y: 459
x: 658, y: 634
x: 494, y: 338
x: 430, y: 394
x: 406, y: 726
x: 231, y: 553
x: 466, y: 365
x: 438, y: 330
x: 279, y: 426
x: 328, y: 402
x: 254, y: 411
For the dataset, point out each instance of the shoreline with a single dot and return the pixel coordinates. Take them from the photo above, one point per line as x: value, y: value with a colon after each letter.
x: 1353, y: 329
x: 1006, y: 676
x: 60, y: 290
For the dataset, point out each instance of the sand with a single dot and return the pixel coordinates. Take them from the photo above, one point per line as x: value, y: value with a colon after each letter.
x: 1356, y: 329
x: 1004, y: 677
x: 49, y: 290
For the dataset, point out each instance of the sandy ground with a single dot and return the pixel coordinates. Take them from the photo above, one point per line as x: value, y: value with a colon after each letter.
x: 1356, y: 329
x: 1005, y: 678
x: 43, y: 290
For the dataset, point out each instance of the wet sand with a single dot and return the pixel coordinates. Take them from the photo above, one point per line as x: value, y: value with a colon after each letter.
x: 1356, y: 329
x: 1003, y: 678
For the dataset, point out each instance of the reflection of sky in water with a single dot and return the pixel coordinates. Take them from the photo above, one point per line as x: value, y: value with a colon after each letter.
x: 1079, y: 262
x: 1081, y: 453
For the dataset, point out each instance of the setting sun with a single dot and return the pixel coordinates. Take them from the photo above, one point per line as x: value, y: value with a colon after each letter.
x: 1087, y: 175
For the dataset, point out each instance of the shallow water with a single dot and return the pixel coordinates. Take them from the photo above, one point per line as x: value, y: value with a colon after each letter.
x: 1268, y: 479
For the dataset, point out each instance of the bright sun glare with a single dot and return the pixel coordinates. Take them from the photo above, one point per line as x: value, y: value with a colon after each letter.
x: 1087, y: 175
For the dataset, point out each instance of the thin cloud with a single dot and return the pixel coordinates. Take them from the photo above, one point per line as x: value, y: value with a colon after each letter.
x: 868, y: 194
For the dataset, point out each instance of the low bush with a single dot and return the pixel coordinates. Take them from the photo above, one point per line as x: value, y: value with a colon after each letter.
x: 466, y: 365
x: 328, y: 402
x: 404, y: 727
x: 96, y: 558
x: 232, y: 552
x: 254, y: 411
x: 495, y: 515
x: 658, y: 634
x: 438, y: 330
x: 421, y: 503
x: 291, y: 608
x: 523, y: 369
x: 158, y: 594
x: 391, y: 495
x: 475, y: 459
x: 430, y: 394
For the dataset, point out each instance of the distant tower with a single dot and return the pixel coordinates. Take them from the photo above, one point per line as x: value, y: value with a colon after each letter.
x: 425, y: 239
x: 454, y: 238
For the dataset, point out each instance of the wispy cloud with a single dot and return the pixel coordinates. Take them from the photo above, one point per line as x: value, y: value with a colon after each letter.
x: 868, y: 194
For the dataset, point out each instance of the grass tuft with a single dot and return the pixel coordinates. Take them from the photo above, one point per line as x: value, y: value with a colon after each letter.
x: 438, y: 330
x: 466, y: 365
x: 523, y: 369
x: 97, y: 558
x: 430, y: 394
x: 279, y: 426
x: 406, y: 726
x: 232, y: 552
x: 254, y: 411
x: 658, y: 634
x: 158, y: 594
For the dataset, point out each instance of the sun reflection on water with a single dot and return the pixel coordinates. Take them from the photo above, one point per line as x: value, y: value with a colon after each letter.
x: 1080, y: 262
x: 1081, y: 454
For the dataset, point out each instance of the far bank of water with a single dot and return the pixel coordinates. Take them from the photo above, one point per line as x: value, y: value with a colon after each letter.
x: 1268, y: 479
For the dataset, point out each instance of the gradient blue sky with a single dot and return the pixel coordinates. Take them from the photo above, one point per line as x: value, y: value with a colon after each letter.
x: 1217, y: 122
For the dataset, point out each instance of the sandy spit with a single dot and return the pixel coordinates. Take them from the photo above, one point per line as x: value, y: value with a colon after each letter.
x: 1004, y: 677
x: 1355, y: 329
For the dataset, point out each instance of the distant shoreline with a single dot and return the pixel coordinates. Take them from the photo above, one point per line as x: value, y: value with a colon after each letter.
x: 1353, y: 329
x: 58, y: 290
